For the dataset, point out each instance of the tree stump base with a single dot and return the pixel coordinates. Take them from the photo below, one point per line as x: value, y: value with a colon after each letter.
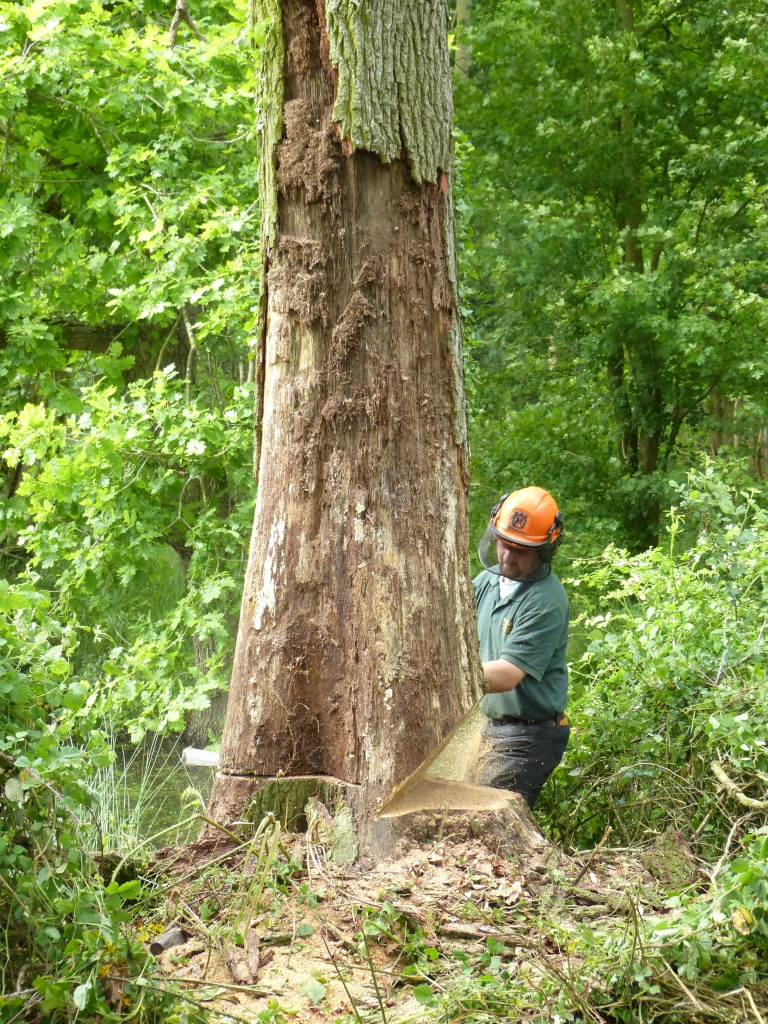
x: 436, y: 809
x: 248, y: 799
x: 432, y: 810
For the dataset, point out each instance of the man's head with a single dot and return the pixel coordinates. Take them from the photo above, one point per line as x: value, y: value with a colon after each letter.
x: 525, y: 531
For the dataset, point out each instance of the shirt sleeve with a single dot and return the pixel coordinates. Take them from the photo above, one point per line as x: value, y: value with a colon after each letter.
x: 538, y: 630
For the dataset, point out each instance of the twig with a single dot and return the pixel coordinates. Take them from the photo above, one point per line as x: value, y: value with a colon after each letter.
x: 338, y: 934
x: 195, y: 870
x: 31, y: 998
x: 6, y: 144
x: 191, y: 358
x: 726, y: 851
x: 180, y: 994
x: 342, y: 979
x: 165, y: 344
x: 374, y: 979
x: 14, y: 895
x: 758, y: 1016
x: 173, y: 828
x: 592, y: 855
x: 182, y: 14
x: 674, y: 976
x: 612, y: 900
x: 83, y: 113
x: 477, y: 932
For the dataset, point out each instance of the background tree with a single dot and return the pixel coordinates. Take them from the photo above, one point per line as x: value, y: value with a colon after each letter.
x: 357, y: 649
x: 127, y: 187
x: 616, y: 195
x: 126, y: 176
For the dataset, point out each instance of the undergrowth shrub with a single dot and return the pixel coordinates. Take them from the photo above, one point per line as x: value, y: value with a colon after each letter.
x: 67, y: 951
x: 699, y: 955
x: 670, y: 702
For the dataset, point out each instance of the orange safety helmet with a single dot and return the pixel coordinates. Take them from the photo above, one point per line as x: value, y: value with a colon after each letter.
x: 528, y: 518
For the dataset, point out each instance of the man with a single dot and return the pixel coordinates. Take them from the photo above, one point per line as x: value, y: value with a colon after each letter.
x: 522, y: 617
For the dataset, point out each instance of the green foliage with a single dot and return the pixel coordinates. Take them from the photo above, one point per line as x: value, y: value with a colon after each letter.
x: 128, y: 194
x: 548, y: 441
x: 386, y: 923
x: 673, y: 678
x: 723, y: 937
x: 614, y: 192
x: 128, y: 211
x: 133, y: 510
x: 127, y: 190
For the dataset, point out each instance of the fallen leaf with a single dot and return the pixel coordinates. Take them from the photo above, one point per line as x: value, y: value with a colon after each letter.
x: 742, y: 920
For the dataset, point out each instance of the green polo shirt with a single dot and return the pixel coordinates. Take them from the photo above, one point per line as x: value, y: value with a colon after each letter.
x: 528, y: 628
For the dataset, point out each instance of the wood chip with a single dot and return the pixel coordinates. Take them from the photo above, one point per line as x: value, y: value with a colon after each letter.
x: 236, y: 965
x: 252, y: 953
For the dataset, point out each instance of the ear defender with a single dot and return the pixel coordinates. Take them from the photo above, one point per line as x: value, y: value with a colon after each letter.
x: 556, y: 534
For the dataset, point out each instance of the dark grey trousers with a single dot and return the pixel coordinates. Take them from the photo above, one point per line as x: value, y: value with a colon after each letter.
x: 521, y: 757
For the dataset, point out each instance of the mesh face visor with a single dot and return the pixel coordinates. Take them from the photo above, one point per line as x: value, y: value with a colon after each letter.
x: 489, y: 557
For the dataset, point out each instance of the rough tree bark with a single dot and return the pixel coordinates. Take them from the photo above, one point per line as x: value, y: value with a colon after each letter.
x: 357, y: 646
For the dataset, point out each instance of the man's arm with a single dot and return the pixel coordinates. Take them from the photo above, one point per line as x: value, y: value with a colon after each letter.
x: 501, y: 676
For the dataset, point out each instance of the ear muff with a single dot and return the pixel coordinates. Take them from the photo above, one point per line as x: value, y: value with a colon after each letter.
x: 556, y: 533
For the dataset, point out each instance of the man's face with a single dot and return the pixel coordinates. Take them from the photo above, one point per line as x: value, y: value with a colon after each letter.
x: 516, y: 563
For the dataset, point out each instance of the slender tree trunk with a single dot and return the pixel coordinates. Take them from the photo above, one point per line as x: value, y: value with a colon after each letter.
x: 634, y: 374
x: 463, y: 16
x: 357, y: 648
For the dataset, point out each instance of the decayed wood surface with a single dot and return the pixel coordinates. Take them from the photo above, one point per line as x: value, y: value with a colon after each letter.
x: 357, y: 646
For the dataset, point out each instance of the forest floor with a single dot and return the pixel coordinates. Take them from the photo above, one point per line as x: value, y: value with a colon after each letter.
x: 279, y: 932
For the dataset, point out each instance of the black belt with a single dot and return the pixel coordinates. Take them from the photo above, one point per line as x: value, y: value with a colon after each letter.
x: 555, y: 721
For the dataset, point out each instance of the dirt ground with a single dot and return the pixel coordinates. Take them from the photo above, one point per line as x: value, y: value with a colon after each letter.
x: 280, y: 928
x: 276, y: 931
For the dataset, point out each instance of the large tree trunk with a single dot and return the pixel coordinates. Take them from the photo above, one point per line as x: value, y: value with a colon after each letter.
x: 357, y: 646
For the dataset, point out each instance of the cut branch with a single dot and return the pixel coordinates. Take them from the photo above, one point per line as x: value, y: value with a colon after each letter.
x: 481, y: 933
x: 728, y: 784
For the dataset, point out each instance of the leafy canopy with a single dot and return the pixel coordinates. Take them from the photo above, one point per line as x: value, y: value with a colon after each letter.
x: 616, y: 198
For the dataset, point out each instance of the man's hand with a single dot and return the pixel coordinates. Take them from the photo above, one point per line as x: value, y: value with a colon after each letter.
x: 501, y: 676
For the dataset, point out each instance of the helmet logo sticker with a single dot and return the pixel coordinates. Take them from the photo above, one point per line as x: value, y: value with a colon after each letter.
x: 518, y: 520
